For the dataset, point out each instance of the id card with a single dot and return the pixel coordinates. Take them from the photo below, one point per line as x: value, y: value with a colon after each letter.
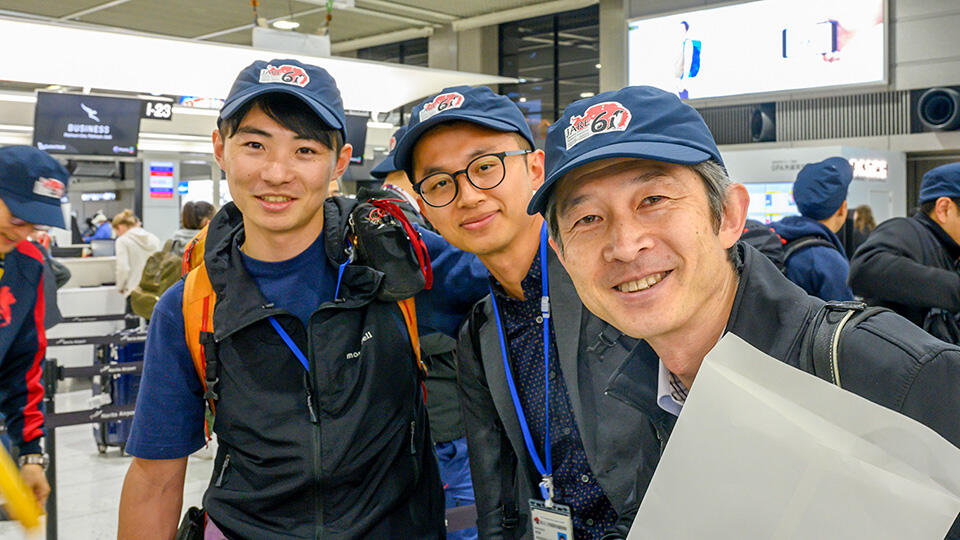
x: 553, y: 523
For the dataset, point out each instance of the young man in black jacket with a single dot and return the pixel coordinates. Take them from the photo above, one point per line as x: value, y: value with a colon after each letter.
x: 647, y: 223
x: 910, y: 264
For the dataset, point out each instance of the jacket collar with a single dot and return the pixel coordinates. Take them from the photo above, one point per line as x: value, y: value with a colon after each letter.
x: 239, y: 300
x: 949, y: 245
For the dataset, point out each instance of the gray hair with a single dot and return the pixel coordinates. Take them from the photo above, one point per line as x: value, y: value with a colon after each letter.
x: 715, y: 181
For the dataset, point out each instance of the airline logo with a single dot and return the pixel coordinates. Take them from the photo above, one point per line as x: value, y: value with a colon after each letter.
x: 605, y: 117
x: 49, y: 187
x: 285, y: 74
x: 443, y: 102
x: 91, y: 112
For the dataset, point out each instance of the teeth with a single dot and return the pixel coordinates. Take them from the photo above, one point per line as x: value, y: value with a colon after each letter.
x: 642, y: 283
x: 275, y: 198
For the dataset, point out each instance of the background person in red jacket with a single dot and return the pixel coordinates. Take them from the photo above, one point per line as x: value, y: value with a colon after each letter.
x: 31, y: 186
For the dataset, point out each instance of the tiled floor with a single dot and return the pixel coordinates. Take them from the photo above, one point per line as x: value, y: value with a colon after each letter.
x: 88, y: 484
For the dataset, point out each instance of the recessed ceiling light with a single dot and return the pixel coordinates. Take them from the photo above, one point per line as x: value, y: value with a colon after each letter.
x: 523, y: 100
x: 586, y: 94
x: 286, y: 24
x: 599, y: 66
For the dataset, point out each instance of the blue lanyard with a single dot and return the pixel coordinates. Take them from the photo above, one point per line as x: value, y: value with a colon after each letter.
x: 545, y: 467
x: 286, y: 337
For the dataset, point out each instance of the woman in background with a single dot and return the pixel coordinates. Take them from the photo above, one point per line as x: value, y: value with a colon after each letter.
x: 863, y: 223
x: 134, y: 245
x: 193, y: 217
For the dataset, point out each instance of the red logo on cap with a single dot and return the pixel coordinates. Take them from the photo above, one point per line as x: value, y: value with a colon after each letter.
x: 600, y: 118
x: 49, y: 187
x: 286, y: 74
x: 453, y: 100
x: 392, y: 145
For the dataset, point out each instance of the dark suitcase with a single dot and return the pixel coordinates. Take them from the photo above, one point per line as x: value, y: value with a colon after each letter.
x: 117, y: 389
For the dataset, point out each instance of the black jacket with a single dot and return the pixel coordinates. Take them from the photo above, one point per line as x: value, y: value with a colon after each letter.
x: 885, y: 358
x: 342, y: 452
x: 589, y: 352
x: 908, y: 265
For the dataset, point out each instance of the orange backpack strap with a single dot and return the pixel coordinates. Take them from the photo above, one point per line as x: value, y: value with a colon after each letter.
x: 199, y: 300
x: 409, y: 309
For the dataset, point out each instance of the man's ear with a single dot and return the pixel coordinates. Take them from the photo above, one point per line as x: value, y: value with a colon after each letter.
x: 734, y: 215
x: 343, y: 161
x: 218, y: 147
x: 556, y: 249
x: 537, y: 168
x: 941, y: 209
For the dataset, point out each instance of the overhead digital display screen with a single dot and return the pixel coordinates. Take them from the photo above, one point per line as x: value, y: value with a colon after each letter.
x: 83, y: 124
x: 771, y: 201
x: 357, y: 136
x: 764, y: 46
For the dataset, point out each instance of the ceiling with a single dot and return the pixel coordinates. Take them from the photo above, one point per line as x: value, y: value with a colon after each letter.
x: 230, y: 21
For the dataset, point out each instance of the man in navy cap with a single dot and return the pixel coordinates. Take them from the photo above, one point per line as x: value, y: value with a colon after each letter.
x: 31, y: 186
x: 814, y: 256
x: 532, y: 361
x: 910, y: 264
x: 646, y: 221
x: 319, y: 412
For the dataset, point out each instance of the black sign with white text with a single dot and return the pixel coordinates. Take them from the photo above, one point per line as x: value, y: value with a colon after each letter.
x: 83, y: 124
x: 157, y: 110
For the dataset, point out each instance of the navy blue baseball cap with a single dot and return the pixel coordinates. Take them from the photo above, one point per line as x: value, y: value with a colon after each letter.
x: 32, y: 184
x: 636, y: 121
x: 478, y: 105
x: 821, y: 188
x: 388, y: 165
x: 312, y: 84
x: 944, y: 181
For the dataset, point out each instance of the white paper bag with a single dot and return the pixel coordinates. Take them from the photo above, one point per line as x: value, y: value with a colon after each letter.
x: 763, y: 450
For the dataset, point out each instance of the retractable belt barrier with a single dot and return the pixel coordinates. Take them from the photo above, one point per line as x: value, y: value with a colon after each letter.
x: 54, y: 373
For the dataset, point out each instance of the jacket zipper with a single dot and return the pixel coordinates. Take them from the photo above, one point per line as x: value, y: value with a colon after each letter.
x: 317, y: 439
x: 223, y: 470
x: 413, y: 431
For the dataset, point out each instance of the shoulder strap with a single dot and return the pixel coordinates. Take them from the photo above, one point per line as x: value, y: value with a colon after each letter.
x: 199, y: 299
x: 804, y: 242
x: 823, y: 339
x: 409, y: 309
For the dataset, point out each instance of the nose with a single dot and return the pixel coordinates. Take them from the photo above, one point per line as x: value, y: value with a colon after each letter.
x: 276, y: 171
x: 468, y: 196
x: 626, y: 239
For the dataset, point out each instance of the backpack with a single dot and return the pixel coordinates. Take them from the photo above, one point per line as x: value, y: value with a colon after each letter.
x: 765, y: 240
x: 160, y: 272
x: 823, y: 338
x: 199, y: 298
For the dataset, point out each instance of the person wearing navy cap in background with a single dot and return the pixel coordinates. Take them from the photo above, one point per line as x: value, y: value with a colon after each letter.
x: 910, y: 264
x: 320, y: 421
x: 470, y: 154
x: 31, y: 186
x: 815, y: 258
x: 645, y: 219
x: 439, y: 355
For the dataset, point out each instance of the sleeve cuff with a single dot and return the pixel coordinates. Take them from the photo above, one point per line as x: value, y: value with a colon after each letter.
x: 31, y: 447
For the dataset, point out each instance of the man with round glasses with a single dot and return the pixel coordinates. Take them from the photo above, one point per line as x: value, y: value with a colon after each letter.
x: 544, y: 442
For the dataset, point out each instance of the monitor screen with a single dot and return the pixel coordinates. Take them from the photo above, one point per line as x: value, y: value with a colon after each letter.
x: 357, y: 135
x: 771, y: 201
x: 86, y: 125
x: 763, y: 46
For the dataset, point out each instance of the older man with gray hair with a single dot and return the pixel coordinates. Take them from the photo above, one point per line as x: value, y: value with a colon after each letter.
x: 647, y: 224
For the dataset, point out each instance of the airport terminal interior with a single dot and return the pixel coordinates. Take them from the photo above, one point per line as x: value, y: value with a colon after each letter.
x: 126, y: 93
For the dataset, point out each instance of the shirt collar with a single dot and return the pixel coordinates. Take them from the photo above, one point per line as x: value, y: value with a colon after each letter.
x: 671, y: 393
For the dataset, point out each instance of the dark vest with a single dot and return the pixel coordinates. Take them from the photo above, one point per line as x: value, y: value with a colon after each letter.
x: 342, y: 452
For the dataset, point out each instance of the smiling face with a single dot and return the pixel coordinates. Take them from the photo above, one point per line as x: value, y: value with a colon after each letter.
x: 12, y: 229
x: 642, y: 246
x: 484, y: 222
x: 278, y: 180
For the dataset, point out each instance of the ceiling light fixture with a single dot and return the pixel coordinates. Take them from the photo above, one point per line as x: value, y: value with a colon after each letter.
x: 586, y: 94
x: 286, y: 24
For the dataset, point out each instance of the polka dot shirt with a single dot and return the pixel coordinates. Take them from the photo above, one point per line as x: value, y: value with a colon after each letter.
x: 575, y: 485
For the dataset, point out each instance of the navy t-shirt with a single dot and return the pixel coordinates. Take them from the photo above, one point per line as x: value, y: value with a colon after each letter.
x: 168, y: 422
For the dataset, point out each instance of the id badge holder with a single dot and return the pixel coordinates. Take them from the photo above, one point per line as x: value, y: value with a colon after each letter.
x: 550, y: 522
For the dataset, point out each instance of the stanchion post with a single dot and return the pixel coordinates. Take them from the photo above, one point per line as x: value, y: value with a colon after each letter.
x: 50, y: 379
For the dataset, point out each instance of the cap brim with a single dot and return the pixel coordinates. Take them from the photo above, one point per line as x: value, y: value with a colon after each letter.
x: 405, y: 146
x: 328, y: 117
x: 658, y: 151
x: 384, y: 168
x: 35, y: 212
